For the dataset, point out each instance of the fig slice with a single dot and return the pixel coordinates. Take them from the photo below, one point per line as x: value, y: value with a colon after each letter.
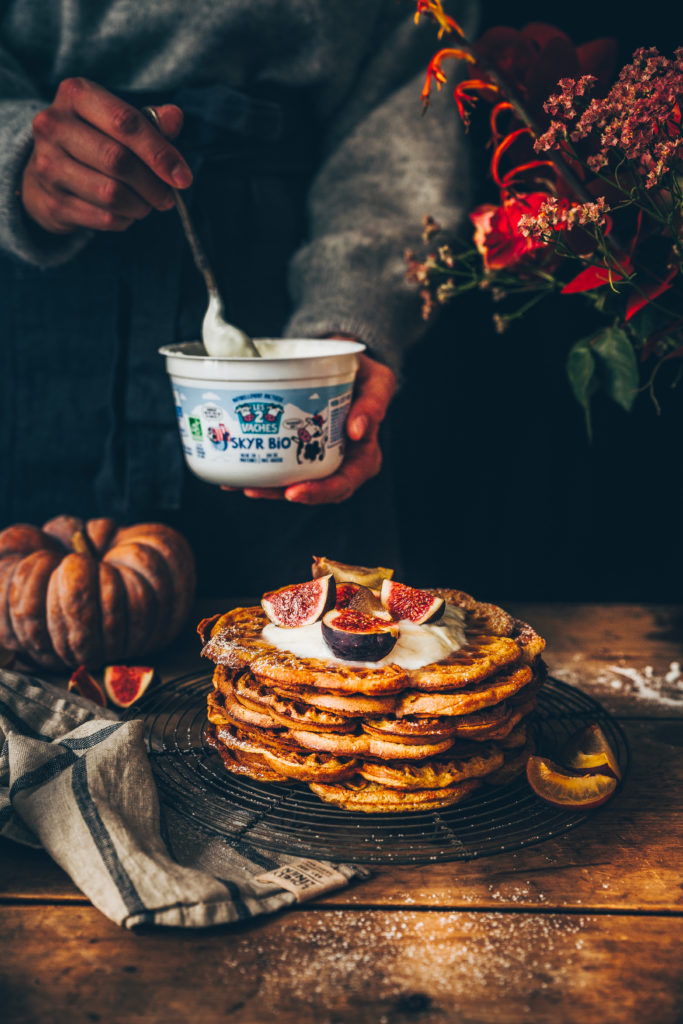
x: 563, y: 788
x: 405, y: 602
x: 84, y: 684
x: 367, y: 601
x: 355, y: 636
x: 126, y: 683
x: 345, y: 593
x: 590, y: 753
x: 300, y: 604
x: 344, y: 573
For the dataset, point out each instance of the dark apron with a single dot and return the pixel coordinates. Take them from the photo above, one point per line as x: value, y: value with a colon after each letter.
x: 88, y: 424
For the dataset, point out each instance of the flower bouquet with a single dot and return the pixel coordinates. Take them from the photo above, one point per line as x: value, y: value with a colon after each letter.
x: 589, y: 197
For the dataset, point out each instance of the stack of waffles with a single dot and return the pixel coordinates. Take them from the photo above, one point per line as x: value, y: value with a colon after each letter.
x: 376, y: 738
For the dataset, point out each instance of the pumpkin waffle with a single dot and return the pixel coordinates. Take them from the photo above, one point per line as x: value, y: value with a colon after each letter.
x: 493, y: 639
x: 244, y: 756
x: 375, y: 737
x: 373, y: 798
x: 288, y: 712
x: 513, y: 765
x: 436, y: 773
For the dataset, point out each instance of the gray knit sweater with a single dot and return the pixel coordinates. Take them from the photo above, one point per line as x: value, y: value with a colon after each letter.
x: 385, y: 166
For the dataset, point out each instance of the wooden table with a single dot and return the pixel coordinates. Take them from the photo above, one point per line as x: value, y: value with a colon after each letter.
x: 583, y: 928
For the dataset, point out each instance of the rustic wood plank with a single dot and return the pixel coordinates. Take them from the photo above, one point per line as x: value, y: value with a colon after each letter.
x: 627, y: 856
x: 367, y: 967
x: 629, y: 657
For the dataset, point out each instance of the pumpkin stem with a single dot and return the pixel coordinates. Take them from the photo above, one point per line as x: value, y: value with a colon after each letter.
x: 82, y: 544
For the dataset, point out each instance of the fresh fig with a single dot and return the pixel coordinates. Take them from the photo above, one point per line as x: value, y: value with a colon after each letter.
x: 345, y: 592
x: 354, y: 636
x: 84, y: 684
x: 350, y: 573
x: 405, y: 602
x: 301, y: 603
x: 126, y: 683
x: 366, y: 600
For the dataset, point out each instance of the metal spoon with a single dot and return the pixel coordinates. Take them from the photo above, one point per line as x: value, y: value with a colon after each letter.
x: 220, y: 338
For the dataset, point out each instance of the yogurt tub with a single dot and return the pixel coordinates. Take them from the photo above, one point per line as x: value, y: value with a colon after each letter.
x: 265, y: 422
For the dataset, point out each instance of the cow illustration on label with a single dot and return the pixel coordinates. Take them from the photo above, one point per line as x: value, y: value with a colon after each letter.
x: 310, y: 439
x: 259, y: 417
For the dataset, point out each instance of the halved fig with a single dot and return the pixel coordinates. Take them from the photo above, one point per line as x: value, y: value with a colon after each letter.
x: 301, y: 603
x: 344, y: 573
x: 126, y: 683
x: 405, y: 602
x: 354, y: 636
x: 345, y: 592
x: 367, y: 601
x: 589, y: 752
x: 562, y: 788
x: 83, y: 683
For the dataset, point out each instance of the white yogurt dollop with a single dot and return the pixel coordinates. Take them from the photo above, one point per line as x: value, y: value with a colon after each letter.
x: 416, y: 645
x: 221, y: 339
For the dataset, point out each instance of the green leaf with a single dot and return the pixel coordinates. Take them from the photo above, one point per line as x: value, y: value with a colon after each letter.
x: 581, y: 373
x: 618, y: 361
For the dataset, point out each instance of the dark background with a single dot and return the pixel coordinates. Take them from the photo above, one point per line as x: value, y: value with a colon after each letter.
x: 498, y: 489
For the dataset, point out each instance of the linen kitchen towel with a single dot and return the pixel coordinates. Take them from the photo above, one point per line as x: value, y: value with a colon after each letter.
x: 76, y: 780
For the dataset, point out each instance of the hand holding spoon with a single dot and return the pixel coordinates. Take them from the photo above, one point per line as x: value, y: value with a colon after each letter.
x: 220, y: 338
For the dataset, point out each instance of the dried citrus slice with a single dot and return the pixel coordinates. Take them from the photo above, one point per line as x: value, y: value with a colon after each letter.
x: 84, y: 684
x: 589, y: 752
x: 126, y: 683
x: 563, y: 788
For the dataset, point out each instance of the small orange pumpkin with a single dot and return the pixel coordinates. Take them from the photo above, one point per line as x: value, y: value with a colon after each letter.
x: 88, y: 593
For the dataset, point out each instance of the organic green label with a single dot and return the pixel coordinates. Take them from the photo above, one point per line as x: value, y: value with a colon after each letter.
x: 195, y: 426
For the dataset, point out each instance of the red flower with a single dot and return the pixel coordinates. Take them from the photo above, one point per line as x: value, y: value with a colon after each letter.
x: 497, y: 235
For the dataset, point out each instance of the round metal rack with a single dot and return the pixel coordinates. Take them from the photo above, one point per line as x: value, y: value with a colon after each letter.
x: 288, y: 818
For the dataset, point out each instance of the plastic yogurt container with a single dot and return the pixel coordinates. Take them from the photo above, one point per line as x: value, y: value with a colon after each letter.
x: 264, y: 422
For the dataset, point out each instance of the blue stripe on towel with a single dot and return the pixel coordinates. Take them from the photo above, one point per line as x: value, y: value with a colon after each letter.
x: 39, y: 776
x: 102, y: 839
x: 86, y: 742
x: 243, y: 911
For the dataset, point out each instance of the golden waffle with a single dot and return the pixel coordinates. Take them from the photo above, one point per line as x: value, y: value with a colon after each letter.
x: 235, y: 640
x: 483, y: 618
x: 465, y: 701
x: 494, y: 639
x: 303, y: 766
x: 376, y: 738
x: 516, y: 738
x: 372, y: 798
x: 514, y: 764
x: 287, y: 712
x: 410, y: 730
x: 350, y: 704
x: 362, y: 745
x: 436, y: 773
x: 240, y: 763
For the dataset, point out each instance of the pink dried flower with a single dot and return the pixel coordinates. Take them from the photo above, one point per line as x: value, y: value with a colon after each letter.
x: 561, y: 215
x: 639, y: 119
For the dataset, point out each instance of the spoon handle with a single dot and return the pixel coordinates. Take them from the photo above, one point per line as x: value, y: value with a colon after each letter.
x: 198, y: 253
x: 197, y: 249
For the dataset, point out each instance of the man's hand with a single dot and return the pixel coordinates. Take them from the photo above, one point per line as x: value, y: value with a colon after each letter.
x: 98, y: 163
x: 375, y: 386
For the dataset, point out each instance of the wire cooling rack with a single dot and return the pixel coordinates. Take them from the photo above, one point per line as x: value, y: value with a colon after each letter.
x: 288, y: 818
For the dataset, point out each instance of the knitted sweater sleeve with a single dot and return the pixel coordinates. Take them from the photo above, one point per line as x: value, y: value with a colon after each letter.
x: 20, y: 101
x: 386, y: 167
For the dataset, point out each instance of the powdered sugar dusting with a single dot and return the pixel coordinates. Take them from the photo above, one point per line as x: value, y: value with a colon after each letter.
x: 662, y: 688
x: 338, y: 959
